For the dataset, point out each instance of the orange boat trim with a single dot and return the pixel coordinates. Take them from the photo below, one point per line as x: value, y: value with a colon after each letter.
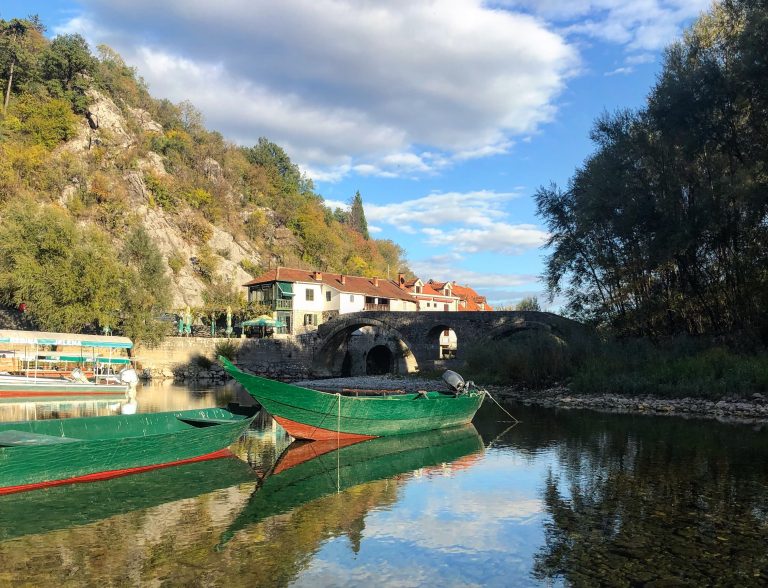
x: 301, y: 431
x: 112, y: 473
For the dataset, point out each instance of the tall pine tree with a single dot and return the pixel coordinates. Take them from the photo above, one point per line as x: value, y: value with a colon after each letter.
x: 357, y: 215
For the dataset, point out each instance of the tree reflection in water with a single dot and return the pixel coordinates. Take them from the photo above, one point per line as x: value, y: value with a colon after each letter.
x: 656, y: 501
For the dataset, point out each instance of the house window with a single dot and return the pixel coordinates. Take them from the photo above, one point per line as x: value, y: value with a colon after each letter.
x: 351, y: 297
x: 445, y: 307
x: 309, y: 319
x: 328, y: 296
x: 310, y: 294
x: 418, y: 289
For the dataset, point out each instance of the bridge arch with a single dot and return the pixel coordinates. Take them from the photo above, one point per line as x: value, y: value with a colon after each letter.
x: 442, y: 341
x: 333, y: 353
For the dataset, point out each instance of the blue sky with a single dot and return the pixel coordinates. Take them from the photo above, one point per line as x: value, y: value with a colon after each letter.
x: 446, y: 115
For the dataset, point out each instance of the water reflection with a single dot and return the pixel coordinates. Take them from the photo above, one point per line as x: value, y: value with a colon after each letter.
x: 565, y: 498
x: 643, y: 499
x: 308, y: 471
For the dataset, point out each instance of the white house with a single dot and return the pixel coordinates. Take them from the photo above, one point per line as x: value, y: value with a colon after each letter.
x: 303, y: 299
x: 430, y: 298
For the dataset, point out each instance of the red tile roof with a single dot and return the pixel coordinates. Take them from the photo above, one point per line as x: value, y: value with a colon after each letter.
x: 469, y: 299
x: 353, y: 284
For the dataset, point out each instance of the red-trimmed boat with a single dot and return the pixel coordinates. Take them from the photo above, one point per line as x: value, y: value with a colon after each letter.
x: 309, y: 414
x: 37, y: 454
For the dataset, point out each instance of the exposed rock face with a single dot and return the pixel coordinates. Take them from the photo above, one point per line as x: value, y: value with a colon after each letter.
x: 153, y: 164
x: 145, y: 120
x: 106, y: 125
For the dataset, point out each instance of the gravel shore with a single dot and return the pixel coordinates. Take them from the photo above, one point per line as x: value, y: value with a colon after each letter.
x: 754, y: 409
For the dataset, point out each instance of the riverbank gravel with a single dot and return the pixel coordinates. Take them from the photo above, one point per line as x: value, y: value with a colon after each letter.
x: 729, y: 409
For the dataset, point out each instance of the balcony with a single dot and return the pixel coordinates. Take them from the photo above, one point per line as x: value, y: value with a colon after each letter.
x: 283, y: 304
x: 380, y: 307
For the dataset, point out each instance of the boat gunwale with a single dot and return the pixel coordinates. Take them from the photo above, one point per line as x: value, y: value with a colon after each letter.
x: 238, y: 421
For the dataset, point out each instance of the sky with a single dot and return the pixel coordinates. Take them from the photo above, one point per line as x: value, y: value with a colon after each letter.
x: 446, y: 115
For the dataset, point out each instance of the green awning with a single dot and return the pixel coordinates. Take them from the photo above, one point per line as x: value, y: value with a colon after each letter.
x: 263, y: 321
x: 63, y: 339
x: 285, y: 288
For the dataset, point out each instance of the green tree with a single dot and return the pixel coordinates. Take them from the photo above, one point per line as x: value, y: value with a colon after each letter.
x: 64, y: 63
x: 18, y: 40
x: 528, y: 303
x: 68, y: 276
x: 662, y: 230
x: 357, y: 215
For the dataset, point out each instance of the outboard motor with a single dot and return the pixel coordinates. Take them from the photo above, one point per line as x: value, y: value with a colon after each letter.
x: 129, y: 376
x: 454, y: 381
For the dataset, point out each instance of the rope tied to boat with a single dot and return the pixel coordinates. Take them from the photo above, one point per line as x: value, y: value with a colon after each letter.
x: 338, y: 457
x: 514, y: 420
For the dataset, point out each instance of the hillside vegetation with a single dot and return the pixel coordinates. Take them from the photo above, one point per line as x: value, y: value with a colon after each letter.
x: 116, y: 207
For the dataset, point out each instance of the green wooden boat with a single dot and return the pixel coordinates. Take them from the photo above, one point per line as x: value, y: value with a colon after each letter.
x: 72, y: 505
x: 36, y: 454
x: 309, y: 414
x: 307, y: 471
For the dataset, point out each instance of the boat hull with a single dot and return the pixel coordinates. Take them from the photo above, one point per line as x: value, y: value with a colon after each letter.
x: 97, y: 448
x: 309, y: 414
x: 37, y: 388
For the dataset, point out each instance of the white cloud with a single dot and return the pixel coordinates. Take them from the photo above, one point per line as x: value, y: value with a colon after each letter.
x: 619, y: 71
x: 462, y: 223
x: 640, y: 26
x: 498, y: 237
x: 479, y: 208
x: 443, y: 268
x: 346, y: 85
x: 334, y: 204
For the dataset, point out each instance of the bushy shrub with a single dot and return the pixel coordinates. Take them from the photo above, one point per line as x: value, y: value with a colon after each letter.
x: 176, y: 261
x: 528, y: 358
x: 44, y: 121
x: 228, y: 348
x: 161, y: 192
x: 251, y: 268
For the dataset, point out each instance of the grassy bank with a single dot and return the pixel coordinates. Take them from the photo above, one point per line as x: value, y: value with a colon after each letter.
x: 674, y: 369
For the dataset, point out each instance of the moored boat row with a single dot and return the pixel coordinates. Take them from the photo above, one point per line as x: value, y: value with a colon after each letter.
x: 38, y: 454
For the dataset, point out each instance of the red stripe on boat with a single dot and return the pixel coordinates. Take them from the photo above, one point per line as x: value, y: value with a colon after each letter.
x: 36, y: 393
x: 112, y: 473
x: 302, y: 431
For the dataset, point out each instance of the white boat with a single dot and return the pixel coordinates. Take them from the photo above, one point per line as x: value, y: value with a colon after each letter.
x: 39, y: 365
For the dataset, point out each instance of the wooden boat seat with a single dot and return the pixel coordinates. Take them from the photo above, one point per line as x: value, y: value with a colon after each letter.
x: 203, y: 422
x: 13, y: 438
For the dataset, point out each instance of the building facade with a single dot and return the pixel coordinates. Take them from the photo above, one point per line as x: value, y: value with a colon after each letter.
x: 303, y: 299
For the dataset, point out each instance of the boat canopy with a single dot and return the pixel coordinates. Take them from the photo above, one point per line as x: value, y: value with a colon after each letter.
x: 64, y: 339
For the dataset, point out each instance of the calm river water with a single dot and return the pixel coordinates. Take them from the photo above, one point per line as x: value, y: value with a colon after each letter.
x: 563, y: 498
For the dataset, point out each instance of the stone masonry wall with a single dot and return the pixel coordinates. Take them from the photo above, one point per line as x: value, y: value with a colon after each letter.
x: 179, y: 357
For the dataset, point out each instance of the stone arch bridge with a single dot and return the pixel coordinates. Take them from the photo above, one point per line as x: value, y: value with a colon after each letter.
x: 404, y: 342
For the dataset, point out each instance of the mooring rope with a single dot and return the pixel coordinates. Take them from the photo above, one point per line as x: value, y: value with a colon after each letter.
x: 338, y: 457
x: 514, y: 420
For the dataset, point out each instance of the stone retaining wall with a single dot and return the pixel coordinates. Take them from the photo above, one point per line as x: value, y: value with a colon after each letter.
x: 194, y: 358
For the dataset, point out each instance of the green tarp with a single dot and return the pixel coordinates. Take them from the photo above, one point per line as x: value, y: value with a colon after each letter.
x: 286, y: 289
